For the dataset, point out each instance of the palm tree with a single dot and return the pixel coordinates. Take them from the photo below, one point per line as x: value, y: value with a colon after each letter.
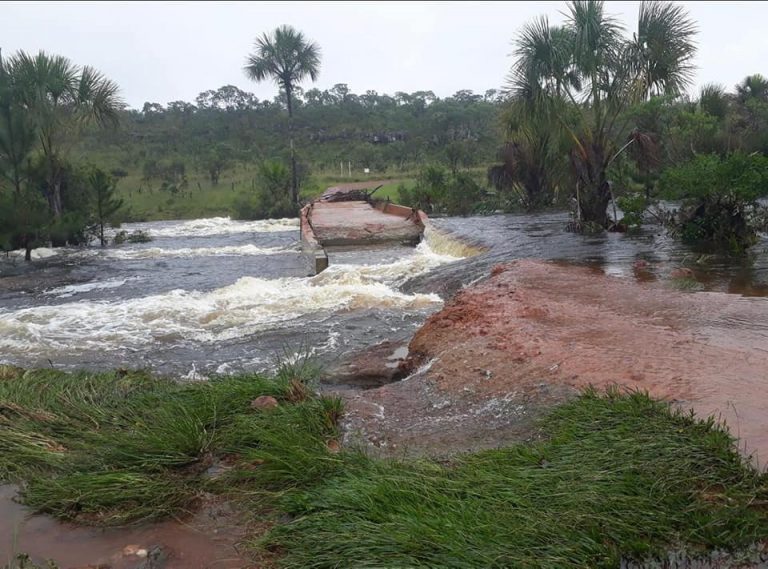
x: 532, y: 160
x: 286, y: 57
x: 713, y: 100
x: 752, y: 87
x: 62, y: 99
x: 17, y: 134
x: 585, y: 74
x: 17, y: 141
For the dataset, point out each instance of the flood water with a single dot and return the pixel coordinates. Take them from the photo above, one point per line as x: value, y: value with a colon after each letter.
x: 220, y: 296
x: 542, y: 236
x: 203, y: 297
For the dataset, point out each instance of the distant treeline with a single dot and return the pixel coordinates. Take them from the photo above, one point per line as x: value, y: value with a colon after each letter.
x: 332, y: 128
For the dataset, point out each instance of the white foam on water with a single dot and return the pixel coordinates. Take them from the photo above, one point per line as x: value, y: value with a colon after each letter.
x: 72, y: 290
x: 240, y: 309
x: 160, y: 252
x: 212, y: 226
x: 39, y: 253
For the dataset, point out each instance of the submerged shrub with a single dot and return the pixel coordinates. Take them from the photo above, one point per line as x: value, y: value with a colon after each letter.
x: 137, y: 236
x: 718, y: 195
x: 272, y: 198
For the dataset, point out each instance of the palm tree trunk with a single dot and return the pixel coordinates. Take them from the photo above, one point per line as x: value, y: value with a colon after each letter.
x: 594, y: 204
x: 294, y: 175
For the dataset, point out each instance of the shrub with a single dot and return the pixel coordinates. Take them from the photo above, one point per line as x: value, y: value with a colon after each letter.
x: 718, y: 195
x: 438, y: 191
x: 633, y: 205
x: 272, y: 198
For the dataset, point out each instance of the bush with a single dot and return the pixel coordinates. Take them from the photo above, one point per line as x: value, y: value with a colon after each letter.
x: 272, y: 198
x: 633, y: 206
x: 718, y: 195
x: 437, y: 191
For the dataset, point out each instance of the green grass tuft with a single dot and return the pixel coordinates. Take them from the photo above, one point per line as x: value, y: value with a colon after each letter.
x: 116, y: 448
x: 617, y: 476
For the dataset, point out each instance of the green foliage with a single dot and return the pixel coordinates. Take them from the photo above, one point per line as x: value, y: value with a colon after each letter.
x: 331, y: 132
x: 614, y: 475
x: 121, y: 447
x: 438, y: 191
x: 633, y: 206
x: 286, y: 57
x: 718, y: 194
x: 587, y: 59
x: 45, y: 102
x: 61, y: 98
x: 106, y: 205
x: 272, y: 198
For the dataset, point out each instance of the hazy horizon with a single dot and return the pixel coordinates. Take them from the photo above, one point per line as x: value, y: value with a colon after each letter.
x: 166, y: 51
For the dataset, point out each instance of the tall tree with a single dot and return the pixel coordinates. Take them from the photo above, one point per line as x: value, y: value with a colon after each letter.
x: 587, y: 74
x: 62, y: 99
x: 105, y: 203
x: 17, y: 141
x: 286, y: 57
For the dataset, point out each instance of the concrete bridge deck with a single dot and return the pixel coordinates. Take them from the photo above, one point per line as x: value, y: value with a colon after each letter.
x: 342, y: 217
x: 360, y: 223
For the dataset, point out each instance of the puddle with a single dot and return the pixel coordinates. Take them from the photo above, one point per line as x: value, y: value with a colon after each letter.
x: 205, y: 541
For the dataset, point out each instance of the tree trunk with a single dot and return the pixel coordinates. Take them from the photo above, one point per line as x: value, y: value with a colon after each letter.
x: 28, y: 251
x: 294, y: 175
x: 57, y: 208
x: 594, y: 192
x: 594, y: 204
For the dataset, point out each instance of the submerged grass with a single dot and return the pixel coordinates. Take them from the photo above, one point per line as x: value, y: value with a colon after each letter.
x: 616, y: 475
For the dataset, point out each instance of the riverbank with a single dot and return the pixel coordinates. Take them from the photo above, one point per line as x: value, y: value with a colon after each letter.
x: 111, y: 449
x: 502, y: 352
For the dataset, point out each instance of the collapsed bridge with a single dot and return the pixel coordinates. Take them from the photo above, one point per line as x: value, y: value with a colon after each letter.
x: 348, y: 216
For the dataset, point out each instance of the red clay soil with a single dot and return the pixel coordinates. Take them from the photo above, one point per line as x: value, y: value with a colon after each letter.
x: 535, y: 333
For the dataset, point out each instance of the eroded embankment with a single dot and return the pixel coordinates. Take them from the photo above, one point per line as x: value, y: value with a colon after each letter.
x: 535, y: 333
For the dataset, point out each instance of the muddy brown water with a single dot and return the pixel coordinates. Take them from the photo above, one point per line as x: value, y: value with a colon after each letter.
x: 217, y: 296
x: 206, y: 540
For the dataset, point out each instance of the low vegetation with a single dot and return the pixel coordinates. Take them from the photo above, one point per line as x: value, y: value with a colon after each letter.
x: 720, y: 198
x: 613, y: 475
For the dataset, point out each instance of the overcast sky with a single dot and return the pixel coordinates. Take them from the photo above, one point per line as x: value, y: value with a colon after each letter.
x: 166, y: 51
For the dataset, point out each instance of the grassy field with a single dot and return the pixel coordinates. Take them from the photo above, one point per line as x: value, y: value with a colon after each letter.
x: 144, y: 201
x: 614, y: 476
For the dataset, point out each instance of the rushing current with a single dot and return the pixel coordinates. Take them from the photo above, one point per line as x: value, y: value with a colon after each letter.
x: 205, y: 296
x: 219, y: 296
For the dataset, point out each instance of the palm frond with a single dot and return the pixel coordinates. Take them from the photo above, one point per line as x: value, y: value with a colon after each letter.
x: 664, y: 47
x: 596, y: 36
x: 713, y: 100
x: 286, y: 56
